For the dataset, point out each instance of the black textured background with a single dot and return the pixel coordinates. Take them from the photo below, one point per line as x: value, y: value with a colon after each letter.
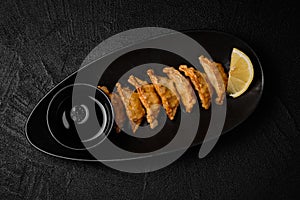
x: 42, y: 42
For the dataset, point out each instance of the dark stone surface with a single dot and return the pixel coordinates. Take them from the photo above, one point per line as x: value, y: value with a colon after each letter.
x: 41, y: 42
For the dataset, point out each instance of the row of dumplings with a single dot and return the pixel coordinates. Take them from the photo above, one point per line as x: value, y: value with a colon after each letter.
x: 168, y: 92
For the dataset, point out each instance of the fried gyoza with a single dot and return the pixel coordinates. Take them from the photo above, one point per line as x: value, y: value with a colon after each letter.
x: 133, y: 106
x: 167, y: 92
x: 118, y: 106
x: 216, y: 76
x: 200, y: 83
x: 149, y: 99
x: 183, y: 88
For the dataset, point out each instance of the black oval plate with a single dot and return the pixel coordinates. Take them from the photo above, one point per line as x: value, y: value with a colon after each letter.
x: 218, y: 45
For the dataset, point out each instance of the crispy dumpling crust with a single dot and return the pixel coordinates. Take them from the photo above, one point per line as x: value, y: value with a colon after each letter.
x: 200, y: 83
x: 166, y: 90
x: 133, y: 106
x: 183, y: 88
x: 149, y: 99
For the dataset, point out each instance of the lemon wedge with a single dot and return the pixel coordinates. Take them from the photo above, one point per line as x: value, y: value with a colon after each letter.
x: 241, y: 73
